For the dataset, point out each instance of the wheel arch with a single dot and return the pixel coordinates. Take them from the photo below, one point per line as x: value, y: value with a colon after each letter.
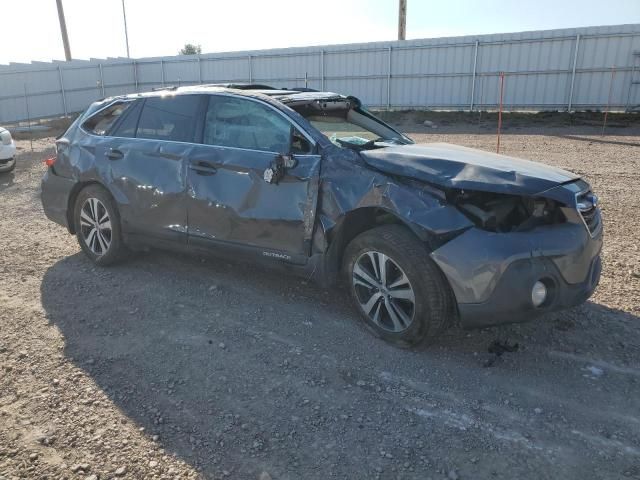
x: 73, y: 196
x: 353, y: 224
x: 367, y: 218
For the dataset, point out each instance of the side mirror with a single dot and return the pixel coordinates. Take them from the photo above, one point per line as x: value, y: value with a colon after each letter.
x: 282, y: 162
x: 279, y: 166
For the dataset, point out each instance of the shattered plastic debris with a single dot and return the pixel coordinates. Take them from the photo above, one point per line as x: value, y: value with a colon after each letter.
x: 498, y: 348
x: 595, y: 371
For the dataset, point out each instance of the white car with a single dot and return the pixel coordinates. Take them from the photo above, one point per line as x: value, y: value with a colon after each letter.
x: 7, y: 151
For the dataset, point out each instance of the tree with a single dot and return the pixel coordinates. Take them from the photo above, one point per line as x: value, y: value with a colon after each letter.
x: 191, y: 49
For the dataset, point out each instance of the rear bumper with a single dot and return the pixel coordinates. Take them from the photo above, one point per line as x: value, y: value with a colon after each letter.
x: 492, y: 274
x: 55, y: 197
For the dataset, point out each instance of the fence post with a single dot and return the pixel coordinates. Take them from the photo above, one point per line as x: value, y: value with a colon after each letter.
x: 162, y: 71
x: 101, y: 80
x: 250, y: 69
x: 26, y: 105
x: 135, y: 75
x: 64, y: 96
x: 389, y: 82
x: 500, y: 111
x: 322, y: 70
x: 473, y: 78
x: 606, y: 112
x: 573, y: 72
x: 200, y: 69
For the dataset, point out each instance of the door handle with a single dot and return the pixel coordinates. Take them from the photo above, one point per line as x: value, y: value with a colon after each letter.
x: 113, y: 154
x: 203, y: 168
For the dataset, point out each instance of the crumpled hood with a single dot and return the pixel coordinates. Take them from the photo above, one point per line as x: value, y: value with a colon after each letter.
x: 453, y: 166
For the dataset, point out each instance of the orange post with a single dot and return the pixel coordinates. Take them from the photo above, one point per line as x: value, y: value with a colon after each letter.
x: 500, y: 110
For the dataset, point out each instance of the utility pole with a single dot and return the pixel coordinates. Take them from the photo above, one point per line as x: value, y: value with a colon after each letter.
x: 402, y: 20
x: 63, y: 31
x: 126, y: 33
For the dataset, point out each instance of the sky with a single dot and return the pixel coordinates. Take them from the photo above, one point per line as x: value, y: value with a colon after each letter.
x: 30, y: 29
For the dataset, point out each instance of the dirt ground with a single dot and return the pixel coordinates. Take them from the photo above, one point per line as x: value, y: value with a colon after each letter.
x: 177, y: 367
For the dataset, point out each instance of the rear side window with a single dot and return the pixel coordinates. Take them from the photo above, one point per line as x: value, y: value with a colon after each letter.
x: 126, y: 127
x: 101, y: 122
x: 169, y: 118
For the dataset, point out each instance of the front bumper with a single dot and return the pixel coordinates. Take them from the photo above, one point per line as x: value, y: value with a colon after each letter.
x: 56, y: 191
x: 492, y: 274
x: 7, y: 165
x: 511, y: 300
x: 7, y: 152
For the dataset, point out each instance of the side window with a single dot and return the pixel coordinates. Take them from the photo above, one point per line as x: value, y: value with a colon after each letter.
x: 127, y: 126
x: 169, y: 118
x: 241, y: 123
x: 299, y: 143
x: 100, y: 123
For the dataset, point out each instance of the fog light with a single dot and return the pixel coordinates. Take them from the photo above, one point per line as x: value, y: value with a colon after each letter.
x: 538, y: 293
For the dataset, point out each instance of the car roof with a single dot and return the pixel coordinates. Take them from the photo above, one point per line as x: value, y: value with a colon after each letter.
x: 283, y: 95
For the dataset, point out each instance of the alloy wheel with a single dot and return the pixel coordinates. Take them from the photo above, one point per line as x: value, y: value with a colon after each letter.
x: 383, y: 291
x: 95, y: 225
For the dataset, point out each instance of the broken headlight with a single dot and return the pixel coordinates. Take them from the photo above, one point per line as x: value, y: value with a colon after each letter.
x: 5, y: 136
x: 507, y: 213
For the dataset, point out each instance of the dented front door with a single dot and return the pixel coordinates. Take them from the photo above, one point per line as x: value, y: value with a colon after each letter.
x: 230, y: 202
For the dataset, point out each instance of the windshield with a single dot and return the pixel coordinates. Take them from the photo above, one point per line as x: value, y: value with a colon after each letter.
x: 350, y: 127
x: 339, y: 130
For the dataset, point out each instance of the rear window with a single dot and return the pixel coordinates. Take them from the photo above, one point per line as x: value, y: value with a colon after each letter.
x: 169, y: 118
x: 100, y: 123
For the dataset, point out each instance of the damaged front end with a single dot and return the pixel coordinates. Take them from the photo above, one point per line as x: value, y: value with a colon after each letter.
x: 514, y: 238
x: 504, y: 213
x: 526, y: 255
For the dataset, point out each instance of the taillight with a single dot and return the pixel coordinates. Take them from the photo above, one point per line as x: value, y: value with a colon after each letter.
x: 50, y: 161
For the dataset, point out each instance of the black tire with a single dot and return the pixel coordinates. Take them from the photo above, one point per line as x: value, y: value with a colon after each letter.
x: 116, y: 249
x: 432, y: 310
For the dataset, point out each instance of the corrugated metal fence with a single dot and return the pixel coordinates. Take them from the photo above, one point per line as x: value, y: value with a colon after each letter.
x: 571, y: 69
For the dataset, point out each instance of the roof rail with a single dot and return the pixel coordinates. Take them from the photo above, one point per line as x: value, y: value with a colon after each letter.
x: 241, y: 86
x: 257, y: 86
x: 169, y: 87
x: 301, y: 89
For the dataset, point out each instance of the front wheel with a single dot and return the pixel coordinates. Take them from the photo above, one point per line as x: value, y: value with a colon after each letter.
x: 400, y: 293
x: 97, y: 226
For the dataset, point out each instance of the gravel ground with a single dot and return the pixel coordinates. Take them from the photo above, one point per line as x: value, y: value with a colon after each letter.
x: 180, y: 367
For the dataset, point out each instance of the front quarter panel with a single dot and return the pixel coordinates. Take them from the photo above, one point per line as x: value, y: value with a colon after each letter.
x: 348, y: 184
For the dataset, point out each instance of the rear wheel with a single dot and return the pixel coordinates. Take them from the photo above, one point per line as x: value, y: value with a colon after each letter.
x: 400, y: 293
x: 97, y: 226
